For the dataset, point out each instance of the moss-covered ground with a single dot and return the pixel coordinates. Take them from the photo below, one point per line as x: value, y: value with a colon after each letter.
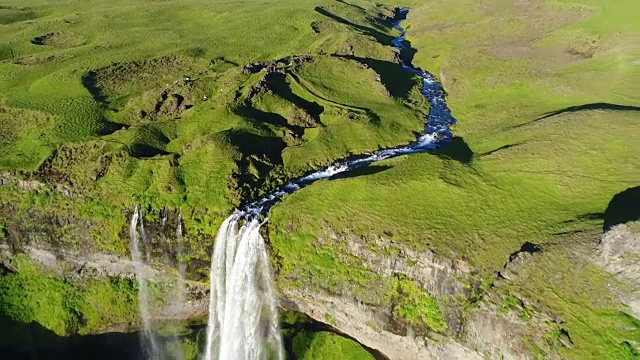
x: 108, y: 104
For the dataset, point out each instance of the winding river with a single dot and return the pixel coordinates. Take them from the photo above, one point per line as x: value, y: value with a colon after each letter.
x: 437, y: 131
x: 243, y: 314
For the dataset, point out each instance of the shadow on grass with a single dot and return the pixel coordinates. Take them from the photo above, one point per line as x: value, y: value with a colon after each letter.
x: 144, y: 151
x: 457, y: 149
x: 252, y: 144
x: 395, y: 79
x: 363, y: 171
x: 107, y: 128
x: 278, y: 83
x: 90, y: 82
x: 503, y: 147
x: 527, y: 247
x: 352, y: 5
x: 379, y: 36
x: 260, y: 155
x: 373, y: 117
x: 578, y: 108
x: 19, y: 340
x: 623, y: 207
x: 269, y: 118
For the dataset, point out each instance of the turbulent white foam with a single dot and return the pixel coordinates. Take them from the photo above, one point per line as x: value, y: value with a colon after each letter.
x: 243, y: 315
x: 149, y: 341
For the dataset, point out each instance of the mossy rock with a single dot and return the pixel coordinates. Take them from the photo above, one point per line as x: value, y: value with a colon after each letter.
x: 326, y: 345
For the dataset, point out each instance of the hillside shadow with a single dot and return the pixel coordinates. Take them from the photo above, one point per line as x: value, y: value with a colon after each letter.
x: 108, y: 127
x: 260, y: 155
x: 20, y: 340
x: 527, y: 247
x: 407, y: 52
x: 352, y: 5
x: 378, y: 35
x: 503, y: 147
x: 90, y: 82
x: 278, y: 83
x: 144, y: 151
x: 395, y: 79
x: 363, y: 171
x: 251, y: 144
x: 457, y: 149
x: 623, y: 207
x: 269, y: 118
x: 584, y: 107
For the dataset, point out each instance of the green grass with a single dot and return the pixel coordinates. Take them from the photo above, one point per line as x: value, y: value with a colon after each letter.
x: 413, y: 305
x: 62, y: 305
x: 94, y: 109
x: 550, y: 176
x: 326, y: 345
x: 560, y: 284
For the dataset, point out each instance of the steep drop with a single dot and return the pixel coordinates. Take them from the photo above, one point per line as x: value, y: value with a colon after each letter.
x: 243, y: 317
x: 243, y: 313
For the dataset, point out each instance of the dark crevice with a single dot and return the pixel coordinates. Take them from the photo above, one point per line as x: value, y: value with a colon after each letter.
x: 90, y: 82
x: 33, y: 341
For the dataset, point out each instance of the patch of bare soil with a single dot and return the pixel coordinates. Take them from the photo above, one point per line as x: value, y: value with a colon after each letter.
x: 59, y: 39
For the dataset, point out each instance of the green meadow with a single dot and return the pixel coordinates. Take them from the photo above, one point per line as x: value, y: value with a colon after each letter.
x: 202, y: 106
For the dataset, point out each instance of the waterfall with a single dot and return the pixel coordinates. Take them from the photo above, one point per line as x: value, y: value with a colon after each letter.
x: 148, y: 338
x: 243, y: 314
x: 182, y: 270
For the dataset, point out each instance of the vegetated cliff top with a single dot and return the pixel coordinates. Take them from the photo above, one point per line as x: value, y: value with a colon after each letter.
x: 185, y: 105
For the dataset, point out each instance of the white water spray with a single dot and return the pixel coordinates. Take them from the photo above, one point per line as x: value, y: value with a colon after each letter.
x: 182, y: 269
x: 243, y: 314
x: 149, y: 341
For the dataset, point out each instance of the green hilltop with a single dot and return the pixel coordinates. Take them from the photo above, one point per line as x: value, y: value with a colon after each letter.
x: 200, y: 106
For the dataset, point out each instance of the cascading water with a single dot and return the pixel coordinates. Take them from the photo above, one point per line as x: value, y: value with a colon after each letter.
x: 243, y: 319
x: 148, y: 338
x: 182, y: 270
x: 243, y: 314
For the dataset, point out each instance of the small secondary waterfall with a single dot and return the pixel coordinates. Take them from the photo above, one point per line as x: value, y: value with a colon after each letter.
x: 243, y: 314
x: 182, y: 269
x: 148, y: 338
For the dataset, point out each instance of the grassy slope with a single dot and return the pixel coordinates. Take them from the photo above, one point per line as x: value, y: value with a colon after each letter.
x: 207, y: 41
x: 71, y: 118
x: 503, y: 66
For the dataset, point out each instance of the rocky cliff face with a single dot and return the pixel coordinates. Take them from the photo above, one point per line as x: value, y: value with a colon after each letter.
x: 455, y: 317
x: 619, y: 254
